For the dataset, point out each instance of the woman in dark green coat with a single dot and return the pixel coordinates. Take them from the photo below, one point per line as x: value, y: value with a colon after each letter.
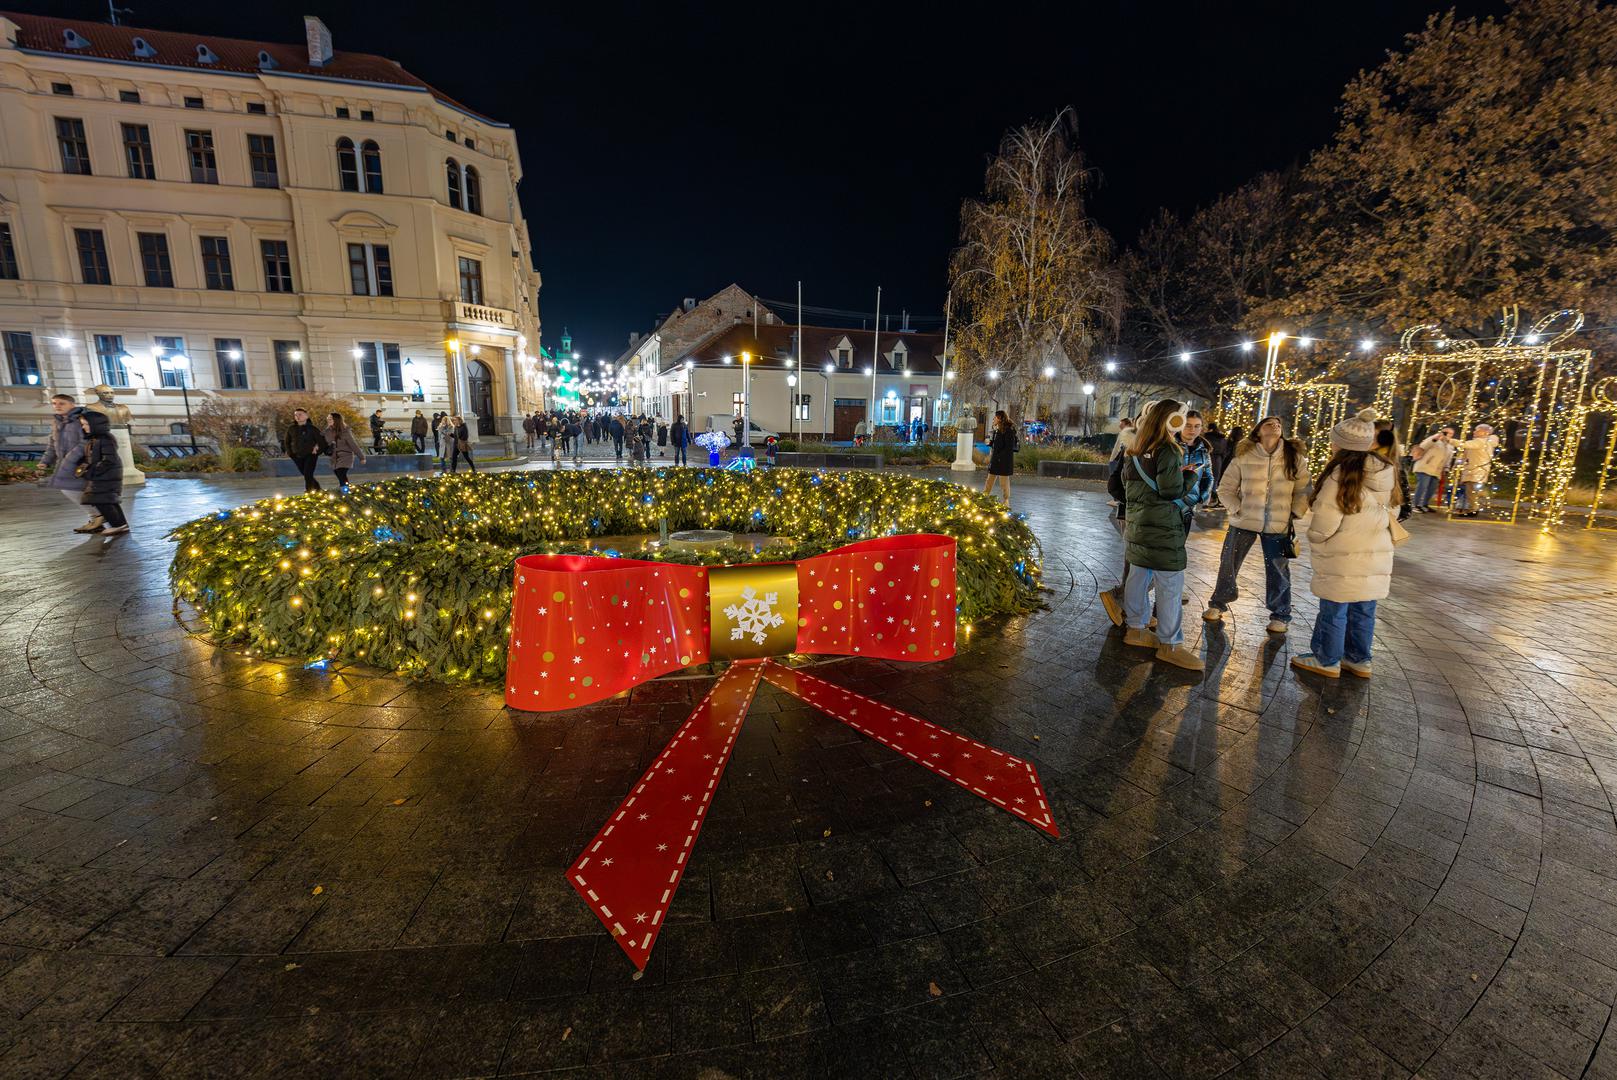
x: 1154, y: 480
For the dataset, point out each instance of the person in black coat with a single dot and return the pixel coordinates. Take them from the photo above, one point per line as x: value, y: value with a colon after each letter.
x: 437, y: 418
x: 680, y: 435
x: 377, y: 427
x: 1002, y: 447
x: 304, y: 443
x: 462, y: 438
x: 103, y: 472
x: 618, y: 433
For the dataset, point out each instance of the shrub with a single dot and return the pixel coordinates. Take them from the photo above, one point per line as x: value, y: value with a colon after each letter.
x: 12, y: 472
x: 244, y: 459
x: 194, y: 463
x: 443, y: 547
x: 400, y: 446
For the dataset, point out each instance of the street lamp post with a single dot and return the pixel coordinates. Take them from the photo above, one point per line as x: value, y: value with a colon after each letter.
x: 1089, y: 414
x: 791, y: 386
x: 183, y: 365
x: 746, y: 399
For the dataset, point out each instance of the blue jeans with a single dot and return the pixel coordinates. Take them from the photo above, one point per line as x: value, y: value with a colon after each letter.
x: 1425, y: 488
x: 1137, y: 602
x: 679, y: 454
x: 1344, y: 632
x: 1276, y: 571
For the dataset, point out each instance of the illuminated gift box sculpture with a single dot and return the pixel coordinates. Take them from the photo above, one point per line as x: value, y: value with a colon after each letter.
x: 584, y: 628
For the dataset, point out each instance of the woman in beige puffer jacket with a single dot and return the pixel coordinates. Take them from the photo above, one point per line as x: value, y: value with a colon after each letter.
x: 1351, y: 548
x: 1264, y: 486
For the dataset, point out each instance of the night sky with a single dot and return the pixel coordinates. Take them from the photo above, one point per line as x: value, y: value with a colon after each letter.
x: 673, y: 148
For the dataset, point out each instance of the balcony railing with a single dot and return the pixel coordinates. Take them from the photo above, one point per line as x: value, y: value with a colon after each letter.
x: 488, y: 316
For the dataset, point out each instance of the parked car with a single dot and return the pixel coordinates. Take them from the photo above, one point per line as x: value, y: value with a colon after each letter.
x: 726, y: 423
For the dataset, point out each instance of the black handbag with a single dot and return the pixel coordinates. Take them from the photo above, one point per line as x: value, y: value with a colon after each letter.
x: 1289, y: 547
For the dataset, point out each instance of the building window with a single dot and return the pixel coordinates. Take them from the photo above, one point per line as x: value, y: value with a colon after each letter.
x: 204, y: 166
x: 62, y: 89
x: 74, y: 146
x: 347, y: 165
x: 471, y: 281
x: 889, y: 410
x: 92, y: 245
x: 370, y: 270
x: 277, y: 265
x: 9, y: 270
x: 342, y: 112
x: 367, y: 114
x: 474, y: 191
x: 21, y: 363
x: 109, y: 349
x: 261, y: 153
x: 450, y: 135
x: 380, y: 369
x: 257, y: 108
x: 452, y: 174
x: 138, y: 152
x: 155, y: 266
x: 1113, y: 403
x: 131, y: 97
x: 172, y: 374
x: 216, y: 273
x: 232, y: 363
x: 289, y: 364
x: 371, y: 157
x: 471, y: 143
x: 845, y: 358
x: 805, y: 407
x: 193, y: 103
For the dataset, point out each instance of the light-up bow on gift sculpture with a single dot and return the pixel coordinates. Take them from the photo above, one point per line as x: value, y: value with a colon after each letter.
x: 584, y: 628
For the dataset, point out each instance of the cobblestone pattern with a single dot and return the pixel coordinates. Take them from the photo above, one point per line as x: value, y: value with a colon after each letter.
x: 212, y: 865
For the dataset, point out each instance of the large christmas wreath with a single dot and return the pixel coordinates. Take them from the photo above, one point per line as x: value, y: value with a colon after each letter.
x: 414, y: 575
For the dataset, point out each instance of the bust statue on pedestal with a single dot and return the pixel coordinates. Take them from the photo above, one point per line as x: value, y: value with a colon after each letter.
x: 120, y: 416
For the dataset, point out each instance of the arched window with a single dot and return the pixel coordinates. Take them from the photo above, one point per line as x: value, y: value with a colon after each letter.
x: 452, y: 169
x: 347, y: 165
x: 372, y: 155
x: 474, y: 191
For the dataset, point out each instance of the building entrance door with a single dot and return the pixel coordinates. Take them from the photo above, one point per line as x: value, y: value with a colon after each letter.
x: 480, y: 395
x: 847, y: 414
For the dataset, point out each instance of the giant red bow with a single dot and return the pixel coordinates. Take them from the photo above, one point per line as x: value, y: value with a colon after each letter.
x: 585, y: 627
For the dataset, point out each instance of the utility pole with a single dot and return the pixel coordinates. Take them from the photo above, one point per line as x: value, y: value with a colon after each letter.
x: 797, y: 388
x: 875, y: 362
x: 943, y: 375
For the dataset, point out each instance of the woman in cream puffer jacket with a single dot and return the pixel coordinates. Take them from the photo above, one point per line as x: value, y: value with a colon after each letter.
x: 1352, y: 553
x: 1264, y: 486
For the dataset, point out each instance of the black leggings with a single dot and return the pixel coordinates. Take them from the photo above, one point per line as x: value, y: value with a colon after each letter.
x: 306, y: 467
x: 342, y: 476
x: 458, y: 453
x: 112, y: 513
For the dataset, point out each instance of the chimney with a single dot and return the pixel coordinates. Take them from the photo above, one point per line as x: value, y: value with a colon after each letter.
x: 319, y: 39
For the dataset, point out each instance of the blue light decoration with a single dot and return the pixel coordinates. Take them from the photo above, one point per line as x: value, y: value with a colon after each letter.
x: 317, y: 665
x: 387, y: 534
x: 223, y: 515
x: 740, y: 464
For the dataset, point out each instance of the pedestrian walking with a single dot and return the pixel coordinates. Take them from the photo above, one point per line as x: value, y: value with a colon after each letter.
x: 418, y: 431
x: 1155, y: 478
x: 1265, y: 488
x: 102, y: 472
x: 1350, y: 539
x: 462, y: 445
x: 1387, y: 449
x: 1433, y: 457
x: 437, y: 423
x: 64, y: 449
x: 1476, y: 463
x: 528, y: 430
x: 1221, y: 448
x: 662, y: 438
x: 679, y: 433
x: 618, y: 435
x: 575, y: 432
x: 444, y: 439
x: 1002, y: 447
x: 304, y: 443
x: 378, y: 425
x: 344, y: 447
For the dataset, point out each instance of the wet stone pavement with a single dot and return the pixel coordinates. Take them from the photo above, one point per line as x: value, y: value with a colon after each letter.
x: 217, y: 866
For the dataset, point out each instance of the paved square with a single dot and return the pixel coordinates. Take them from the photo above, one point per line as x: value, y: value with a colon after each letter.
x: 212, y: 865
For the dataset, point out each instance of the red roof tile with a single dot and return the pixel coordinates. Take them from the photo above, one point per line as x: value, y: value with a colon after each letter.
x: 41, y: 33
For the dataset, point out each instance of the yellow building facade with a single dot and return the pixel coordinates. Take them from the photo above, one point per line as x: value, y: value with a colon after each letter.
x: 252, y: 218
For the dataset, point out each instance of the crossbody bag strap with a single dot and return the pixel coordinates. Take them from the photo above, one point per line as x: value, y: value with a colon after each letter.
x: 1151, y: 483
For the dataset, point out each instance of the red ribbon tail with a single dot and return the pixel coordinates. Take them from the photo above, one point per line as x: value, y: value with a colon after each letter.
x: 628, y: 874
x: 1003, y: 779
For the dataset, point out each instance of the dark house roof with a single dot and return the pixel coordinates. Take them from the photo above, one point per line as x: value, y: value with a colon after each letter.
x: 772, y: 347
x: 168, y: 49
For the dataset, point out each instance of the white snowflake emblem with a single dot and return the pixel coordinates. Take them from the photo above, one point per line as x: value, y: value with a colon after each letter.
x: 755, y: 616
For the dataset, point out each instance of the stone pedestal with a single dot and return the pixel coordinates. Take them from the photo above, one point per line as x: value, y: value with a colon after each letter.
x: 133, y: 477
x: 962, y: 453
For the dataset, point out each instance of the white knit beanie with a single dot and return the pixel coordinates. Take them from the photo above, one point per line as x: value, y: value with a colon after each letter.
x: 1358, y: 432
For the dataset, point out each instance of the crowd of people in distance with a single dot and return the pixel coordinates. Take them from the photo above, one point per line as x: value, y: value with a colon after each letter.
x: 566, y: 433
x: 1166, y: 466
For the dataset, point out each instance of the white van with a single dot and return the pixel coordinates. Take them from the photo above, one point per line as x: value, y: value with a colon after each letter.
x: 727, y: 423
